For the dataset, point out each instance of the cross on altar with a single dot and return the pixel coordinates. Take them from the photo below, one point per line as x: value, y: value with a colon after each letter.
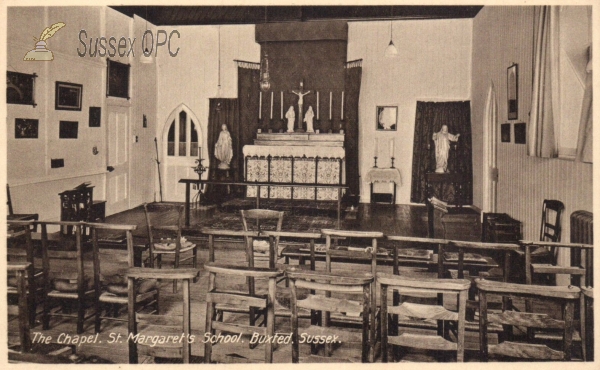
x: 300, y: 94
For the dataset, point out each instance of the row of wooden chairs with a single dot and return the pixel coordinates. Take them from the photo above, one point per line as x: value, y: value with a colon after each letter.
x: 371, y: 255
x: 65, y: 278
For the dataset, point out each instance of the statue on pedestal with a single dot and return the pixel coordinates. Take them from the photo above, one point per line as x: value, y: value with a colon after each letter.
x: 291, y: 117
x: 308, y: 118
x: 223, y: 148
x: 442, y: 141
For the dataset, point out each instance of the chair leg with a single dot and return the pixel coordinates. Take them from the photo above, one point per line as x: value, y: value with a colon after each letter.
x: 210, y: 311
x: 80, y: 316
x: 195, y: 263
x: 97, y: 315
x: 46, y: 314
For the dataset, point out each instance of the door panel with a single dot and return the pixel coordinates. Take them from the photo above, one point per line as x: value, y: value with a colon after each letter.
x: 117, y: 190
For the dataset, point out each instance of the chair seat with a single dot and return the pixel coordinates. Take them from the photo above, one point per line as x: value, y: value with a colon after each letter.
x: 66, y: 285
x: 169, y: 247
x: 142, y: 287
x: 13, y: 280
x: 67, y: 294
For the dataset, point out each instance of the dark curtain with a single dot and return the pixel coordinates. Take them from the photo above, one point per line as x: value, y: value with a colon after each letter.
x: 248, y: 90
x: 352, y: 88
x: 430, y: 117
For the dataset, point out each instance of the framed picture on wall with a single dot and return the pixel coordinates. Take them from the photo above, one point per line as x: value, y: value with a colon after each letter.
x: 94, y: 116
x: 26, y: 128
x: 505, y: 132
x: 20, y: 88
x: 68, y: 130
x: 117, y: 80
x: 520, y: 133
x: 387, y: 118
x: 68, y: 96
x: 512, y: 83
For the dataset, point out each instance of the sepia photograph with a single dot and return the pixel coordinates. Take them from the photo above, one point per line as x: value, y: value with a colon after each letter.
x: 308, y: 183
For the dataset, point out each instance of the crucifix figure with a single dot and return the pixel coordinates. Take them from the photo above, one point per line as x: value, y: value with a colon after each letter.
x: 300, y: 94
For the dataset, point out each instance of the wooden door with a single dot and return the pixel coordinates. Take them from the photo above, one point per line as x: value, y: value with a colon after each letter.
x: 117, y: 179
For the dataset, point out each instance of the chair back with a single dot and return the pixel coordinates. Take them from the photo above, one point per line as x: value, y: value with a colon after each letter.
x: 9, y: 201
x: 343, y: 284
x: 166, y: 325
x: 550, y: 230
x: 261, y: 215
x: 173, y: 230
x: 562, y: 295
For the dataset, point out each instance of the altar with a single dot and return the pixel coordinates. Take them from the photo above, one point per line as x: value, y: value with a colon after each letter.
x: 299, y: 158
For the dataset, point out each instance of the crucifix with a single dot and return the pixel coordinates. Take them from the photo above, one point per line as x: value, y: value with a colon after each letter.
x: 300, y: 94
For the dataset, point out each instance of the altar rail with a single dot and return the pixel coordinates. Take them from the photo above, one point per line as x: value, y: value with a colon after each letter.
x: 296, y: 170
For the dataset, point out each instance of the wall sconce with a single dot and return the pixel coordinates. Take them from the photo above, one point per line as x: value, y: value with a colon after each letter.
x: 95, y: 150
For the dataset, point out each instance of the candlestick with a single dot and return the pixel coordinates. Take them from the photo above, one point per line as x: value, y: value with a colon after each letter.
x: 271, y: 105
x: 259, y: 104
x: 391, y: 147
x: 282, y: 105
x: 330, y: 103
x: 375, y: 165
x: 393, y: 162
x: 342, y: 105
x: 317, y: 105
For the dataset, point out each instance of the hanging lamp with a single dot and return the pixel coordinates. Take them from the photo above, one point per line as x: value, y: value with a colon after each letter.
x: 146, y: 57
x: 265, y: 80
x: 391, y: 50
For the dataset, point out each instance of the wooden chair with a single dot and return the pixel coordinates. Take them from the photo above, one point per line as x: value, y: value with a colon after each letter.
x: 565, y: 296
x: 21, y: 310
x: 550, y: 229
x: 160, y: 325
x: 584, y: 273
x: 217, y: 296
x: 174, y: 244
x: 340, y: 284
x: 587, y: 323
x: 19, y: 216
x: 355, y: 254
x: 410, y: 286
x: 69, y: 280
x: 20, y: 248
x: 264, y: 219
x: 111, y: 291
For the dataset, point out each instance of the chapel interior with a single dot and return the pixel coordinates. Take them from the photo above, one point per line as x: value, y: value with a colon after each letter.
x: 299, y: 184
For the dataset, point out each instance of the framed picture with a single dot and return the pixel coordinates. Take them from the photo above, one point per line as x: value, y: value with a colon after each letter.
x: 68, y: 96
x: 68, y: 130
x: 520, y: 133
x: 95, y: 116
x: 26, y: 128
x: 117, y: 80
x: 512, y: 83
x: 20, y: 88
x: 387, y: 118
x: 505, y: 132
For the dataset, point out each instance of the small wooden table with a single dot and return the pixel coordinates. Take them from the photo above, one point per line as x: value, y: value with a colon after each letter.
x: 388, y: 175
x: 199, y: 182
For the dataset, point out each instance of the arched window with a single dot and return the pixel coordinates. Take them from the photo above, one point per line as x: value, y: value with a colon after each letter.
x: 182, y: 139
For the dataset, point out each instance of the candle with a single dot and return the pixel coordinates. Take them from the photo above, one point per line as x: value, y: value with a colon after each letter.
x: 200, y: 152
x: 342, y: 105
x: 330, y: 100
x: 317, y: 105
x: 259, y: 104
x: 282, y: 105
x: 391, y: 147
x: 376, y: 147
x: 271, y: 104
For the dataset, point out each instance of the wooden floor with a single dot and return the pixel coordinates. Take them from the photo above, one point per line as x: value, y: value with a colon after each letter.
x: 401, y: 220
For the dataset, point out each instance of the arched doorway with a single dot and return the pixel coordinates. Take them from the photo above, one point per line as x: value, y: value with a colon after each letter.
x: 182, y: 140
